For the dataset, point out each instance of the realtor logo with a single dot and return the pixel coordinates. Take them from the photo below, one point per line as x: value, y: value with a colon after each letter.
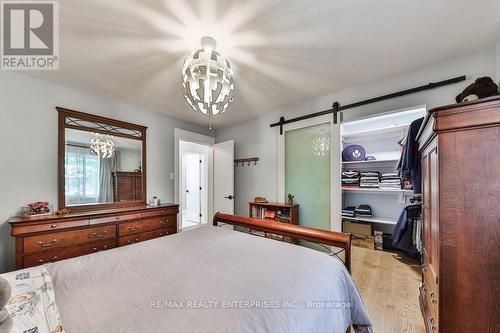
x: 29, y: 36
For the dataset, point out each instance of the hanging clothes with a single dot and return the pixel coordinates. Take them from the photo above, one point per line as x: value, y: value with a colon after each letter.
x: 407, y: 232
x: 409, y: 165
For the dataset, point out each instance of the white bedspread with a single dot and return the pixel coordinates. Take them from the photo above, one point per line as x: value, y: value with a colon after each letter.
x: 207, y: 280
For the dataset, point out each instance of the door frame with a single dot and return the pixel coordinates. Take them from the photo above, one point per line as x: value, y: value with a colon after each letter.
x: 335, y: 165
x: 204, y: 140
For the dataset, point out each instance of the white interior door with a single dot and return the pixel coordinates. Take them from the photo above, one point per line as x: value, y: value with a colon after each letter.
x: 193, y: 187
x: 223, y: 167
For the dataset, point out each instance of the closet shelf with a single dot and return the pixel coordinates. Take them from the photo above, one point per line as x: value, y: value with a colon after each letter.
x: 385, y: 132
x: 370, y: 163
x: 379, y: 220
x: 374, y: 190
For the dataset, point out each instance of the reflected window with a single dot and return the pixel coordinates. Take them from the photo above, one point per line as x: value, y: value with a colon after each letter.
x: 82, y: 175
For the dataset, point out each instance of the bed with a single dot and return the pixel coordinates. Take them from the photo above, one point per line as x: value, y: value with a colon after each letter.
x: 210, y: 279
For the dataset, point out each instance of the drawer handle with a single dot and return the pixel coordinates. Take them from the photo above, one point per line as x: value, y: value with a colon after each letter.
x: 53, y: 226
x: 161, y: 234
x: 130, y: 242
x: 162, y: 212
x: 41, y: 261
x: 97, y: 250
x: 433, y: 297
x: 135, y: 228
x: 431, y: 320
x: 117, y: 217
x: 96, y: 235
x: 164, y: 222
x: 41, y: 244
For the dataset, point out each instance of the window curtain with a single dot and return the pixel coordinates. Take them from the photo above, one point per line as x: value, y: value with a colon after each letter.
x: 107, y: 167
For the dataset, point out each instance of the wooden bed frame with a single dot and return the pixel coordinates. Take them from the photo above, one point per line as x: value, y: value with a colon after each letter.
x: 323, y: 237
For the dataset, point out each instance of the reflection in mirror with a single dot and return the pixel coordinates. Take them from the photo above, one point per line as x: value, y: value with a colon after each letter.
x: 100, y: 169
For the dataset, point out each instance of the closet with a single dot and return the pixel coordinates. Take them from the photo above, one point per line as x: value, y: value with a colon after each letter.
x: 380, y: 136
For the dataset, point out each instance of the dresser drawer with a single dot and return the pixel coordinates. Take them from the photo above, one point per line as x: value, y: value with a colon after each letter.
x: 127, y: 240
x: 139, y: 226
x: 68, y: 252
x: 160, y: 212
x: 61, y: 225
x: 116, y: 218
x: 61, y: 239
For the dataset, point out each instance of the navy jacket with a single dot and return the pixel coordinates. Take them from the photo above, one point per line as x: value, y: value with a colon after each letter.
x: 411, y: 158
x: 402, y: 236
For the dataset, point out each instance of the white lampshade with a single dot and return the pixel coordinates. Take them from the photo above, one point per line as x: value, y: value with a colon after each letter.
x: 207, y: 80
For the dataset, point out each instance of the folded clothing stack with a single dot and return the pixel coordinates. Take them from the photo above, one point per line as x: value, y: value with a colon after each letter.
x: 349, y: 212
x: 350, y: 178
x: 369, y: 179
x: 363, y: 211
x: 390, y: 181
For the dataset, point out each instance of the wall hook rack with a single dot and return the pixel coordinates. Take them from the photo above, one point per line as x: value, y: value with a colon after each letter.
x: 246, y: 160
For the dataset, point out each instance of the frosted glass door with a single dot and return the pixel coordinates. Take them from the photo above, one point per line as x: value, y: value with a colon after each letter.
x: 308, y: 172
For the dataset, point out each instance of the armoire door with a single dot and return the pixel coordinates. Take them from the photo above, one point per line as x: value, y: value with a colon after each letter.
x: 138, y: 188
x: 430, y: 212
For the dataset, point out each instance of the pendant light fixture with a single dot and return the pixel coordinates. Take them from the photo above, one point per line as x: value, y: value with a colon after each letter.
x: 207, y: 80
x: 321, y: 145
x: 102, y: 146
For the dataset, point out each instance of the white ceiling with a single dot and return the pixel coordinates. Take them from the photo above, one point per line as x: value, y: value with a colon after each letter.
x: 283, y: 51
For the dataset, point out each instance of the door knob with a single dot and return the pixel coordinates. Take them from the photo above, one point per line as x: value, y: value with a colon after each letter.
x: 230, y: 197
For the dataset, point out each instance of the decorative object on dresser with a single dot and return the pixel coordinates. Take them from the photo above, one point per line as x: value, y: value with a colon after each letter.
x: 460, y: 157
x: 276, y: 212
x: 154, y: 201
x: 51, y: 238
x: 105, y: 179
x: 37, y: 208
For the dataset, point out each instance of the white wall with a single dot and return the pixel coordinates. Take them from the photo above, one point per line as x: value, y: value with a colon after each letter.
x: 28, y: 134
x: 256, y: 139
x: 130, y: 160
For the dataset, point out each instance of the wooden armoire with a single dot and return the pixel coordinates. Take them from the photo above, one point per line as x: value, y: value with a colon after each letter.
x: 460, y: 158
x: 127, y: 186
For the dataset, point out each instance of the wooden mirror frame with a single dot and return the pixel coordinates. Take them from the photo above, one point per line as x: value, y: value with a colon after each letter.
x: 139, y: 133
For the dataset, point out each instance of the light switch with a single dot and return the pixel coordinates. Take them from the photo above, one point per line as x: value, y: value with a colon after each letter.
x: 172, y: 176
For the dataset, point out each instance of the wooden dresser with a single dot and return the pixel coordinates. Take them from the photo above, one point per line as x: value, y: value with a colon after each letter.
x: 51, y: 238
x: 460, y: 156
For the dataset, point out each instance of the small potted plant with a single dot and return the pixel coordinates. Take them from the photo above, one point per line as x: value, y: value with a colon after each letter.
x: 290, y: 199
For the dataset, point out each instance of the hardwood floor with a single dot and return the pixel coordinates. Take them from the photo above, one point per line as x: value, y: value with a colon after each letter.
x: 389, y: 285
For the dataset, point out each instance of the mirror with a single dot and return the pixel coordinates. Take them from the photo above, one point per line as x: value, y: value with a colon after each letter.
x: 101, y: 162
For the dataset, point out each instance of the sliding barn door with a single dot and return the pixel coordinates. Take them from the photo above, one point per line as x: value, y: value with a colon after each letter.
x: 310, y: 171
x: 307, y: 173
